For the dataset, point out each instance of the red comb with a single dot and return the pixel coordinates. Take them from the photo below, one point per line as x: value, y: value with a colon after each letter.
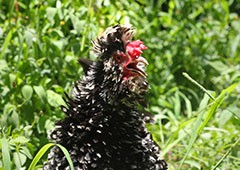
x: 135, y: 48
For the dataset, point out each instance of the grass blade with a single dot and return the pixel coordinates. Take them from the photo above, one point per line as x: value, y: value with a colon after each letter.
x: 44, y: 149
x: 194, y: 136
x: 172, y: 141
x: 197, y: 84
x: 64, y: 150
x: 5, y: 154
x: 6, y: 42
x: 40, y: 153
x: 199, y: 125
x: 226, y: 154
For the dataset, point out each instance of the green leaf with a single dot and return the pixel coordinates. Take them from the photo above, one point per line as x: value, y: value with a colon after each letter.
x: 215, y: 105
x: 19, y: 140
x: 4, y: 66
x: 6, y: 42
x: 77, y: 24
x: 5, y: 154
x: 193, y: 163
x: 188, y: 104
x: 51, y: 12
x: 8, y: 108
x: 218, y: 65
x: 12, y: 78
x: 177, y: 104
x: 41, y: 93
x: 19, y: 159
x: 29, y: 36
x: 27, y: 92
x: 204, y: 102
x: 235, y: 45
x: 1, y: 33
x: 26, y: 152
x: 54, y: 99
x: 59, y: 44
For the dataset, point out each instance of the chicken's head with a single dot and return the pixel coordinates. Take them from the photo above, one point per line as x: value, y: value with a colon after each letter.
x: 131, y: 61
x: 122, y: 59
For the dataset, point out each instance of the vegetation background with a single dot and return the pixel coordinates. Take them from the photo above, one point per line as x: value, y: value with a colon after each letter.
x: 40, y: 42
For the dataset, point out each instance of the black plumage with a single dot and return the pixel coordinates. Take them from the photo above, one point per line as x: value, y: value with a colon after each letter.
x: 103, y: 129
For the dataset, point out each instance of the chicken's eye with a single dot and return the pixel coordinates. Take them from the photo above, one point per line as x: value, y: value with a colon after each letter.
x: 120, y: 57
x: 117, y: 58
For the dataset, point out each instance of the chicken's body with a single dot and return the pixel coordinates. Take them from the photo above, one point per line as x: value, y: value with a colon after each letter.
x: 103, y: 129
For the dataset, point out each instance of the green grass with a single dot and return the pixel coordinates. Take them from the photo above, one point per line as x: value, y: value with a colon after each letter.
x: 194, y: 56
x: 44, y: 149
x: 5, y: 154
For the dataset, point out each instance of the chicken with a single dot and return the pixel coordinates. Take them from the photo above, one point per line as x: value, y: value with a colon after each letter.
x: 103, y: 128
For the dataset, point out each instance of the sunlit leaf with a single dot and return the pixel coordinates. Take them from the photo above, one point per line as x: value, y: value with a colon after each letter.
x: 19, y: 140
x: 54, y: 99
x: 27, y: 92
x: 29, y: 36
x: 51, y: 12
x: 41, y: 93
x: 26, y: 152
x: 19, y: 159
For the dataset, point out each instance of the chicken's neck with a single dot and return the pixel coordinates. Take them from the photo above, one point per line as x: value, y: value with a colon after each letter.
x: 103, y: 85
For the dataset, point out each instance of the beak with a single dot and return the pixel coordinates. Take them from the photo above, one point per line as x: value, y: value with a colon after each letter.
x: 138, y: 66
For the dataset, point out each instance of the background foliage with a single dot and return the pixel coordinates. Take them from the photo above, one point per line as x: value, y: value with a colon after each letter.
x: 40, y: 43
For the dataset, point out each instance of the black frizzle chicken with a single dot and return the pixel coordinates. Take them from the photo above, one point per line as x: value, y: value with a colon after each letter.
x: 103, y: 129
